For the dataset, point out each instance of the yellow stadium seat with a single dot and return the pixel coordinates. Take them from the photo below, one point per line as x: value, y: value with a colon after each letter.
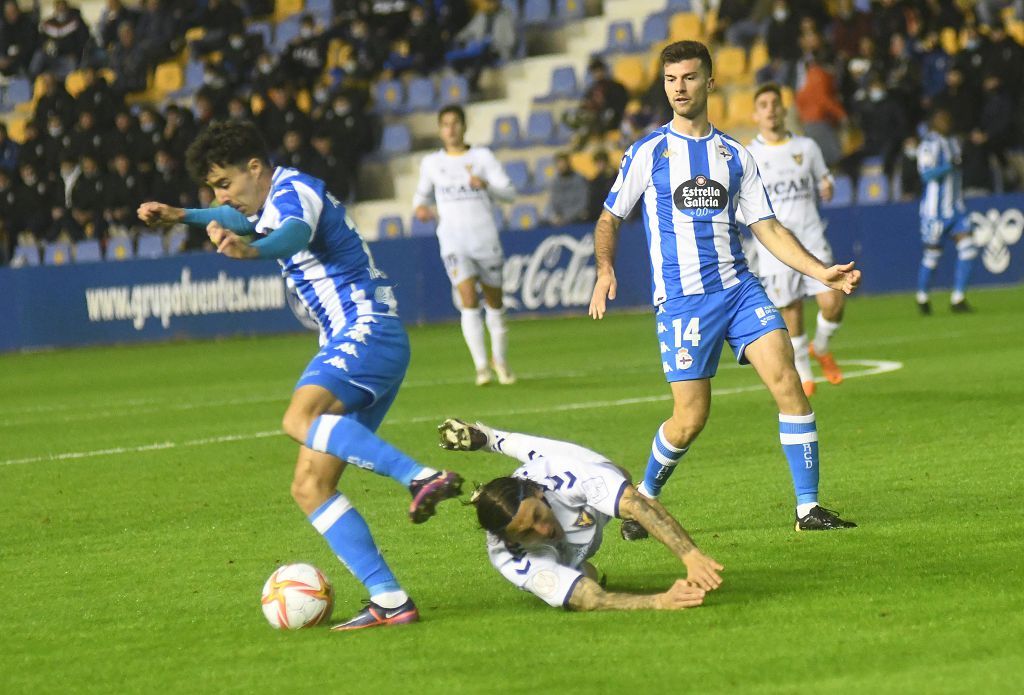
x: 731, y: 66
x: 949, y: 40
x: 631, y: 72
x: 685, y: 25
x: 256, y: 104
x: 740, y: 107
x: 304, y: 101
x: 758, y: 56
x: 16, y: 129
x: 1016, y: 30
x: 194, y: 34
x: 787, y: 97
x: 168, y: 78
x: 716, y: 109
x: 286, y: 8
x: 584, y: 164
x: 74, y: 83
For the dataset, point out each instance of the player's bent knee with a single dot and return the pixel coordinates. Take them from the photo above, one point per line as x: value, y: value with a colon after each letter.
x: 296, y: 423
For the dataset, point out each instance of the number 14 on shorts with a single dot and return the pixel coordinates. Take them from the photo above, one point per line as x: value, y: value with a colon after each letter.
x: 690, y: 335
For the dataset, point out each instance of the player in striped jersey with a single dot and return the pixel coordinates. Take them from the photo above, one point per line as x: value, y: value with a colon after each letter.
x: 463, y: 181
x: 348, y: 387
x: 943, y: 212
x: 693, y: 178
x: 793, y: 171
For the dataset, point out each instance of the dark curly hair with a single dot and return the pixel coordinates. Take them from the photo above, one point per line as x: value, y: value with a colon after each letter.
x: 225, y: 143
x: 498, y: 501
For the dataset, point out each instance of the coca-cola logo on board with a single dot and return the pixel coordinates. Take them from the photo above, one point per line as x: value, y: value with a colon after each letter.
x: 558, y: 274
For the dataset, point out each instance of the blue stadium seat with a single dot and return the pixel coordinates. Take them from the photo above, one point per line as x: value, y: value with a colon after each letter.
x: 536, y: 12
x: 620, y: 37
x: 88, y: 251
x: 396, y: 139
x: 543, y: 173
x: 418, y: 228
x: 568, y: 10
x: 56, y: 253
x: 519, y: 174
x: 454, y: 90
x: 264, y: 30
x: 119, y: 248
x: 655, y: 29
x: 321, y: 9
x: 524, y: 216
x: 420, y: 95
x: 563, y: 133
x: 17, y: 91
x: 679, y: 6
x: 506, y: 132
x: 390, y: 227
x: 513, y: 8
x: 873, y: 189
x: 193, y: 79
x: 150, y: 245
x: 25, y: 254
x: 842, y: 195
x: 286, y: 30
x: 176, y: 239
x: 872, y: 165
x: 540, y: 128
x: 563, y: 85
x: 389, y: 96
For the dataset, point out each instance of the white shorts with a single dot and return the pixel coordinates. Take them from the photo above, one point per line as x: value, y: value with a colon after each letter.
x: 788, y: 287
x: 487, y: 270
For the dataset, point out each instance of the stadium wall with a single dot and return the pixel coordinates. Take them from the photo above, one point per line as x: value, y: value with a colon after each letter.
x: 547, y: 270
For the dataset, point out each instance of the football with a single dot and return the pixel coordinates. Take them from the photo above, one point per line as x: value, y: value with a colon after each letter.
x: 297, y: 596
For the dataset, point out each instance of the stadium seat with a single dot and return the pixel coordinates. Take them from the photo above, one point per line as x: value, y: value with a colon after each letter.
x: 524, y: 216
x: 16, y: 129
x: 396, y: 139
x: 842, y: 194
x: 536, y: 12
x: 758, y: 56
x: 168, y: 77
x: 25, y: 254
x: 176, y: 239
x: 150, y: 245
x: 731, y: 66
x: 74, y: 82
x: 262, y: 29
x: 321, y: 9
x: 680, y: 6
x: 505, y: 132
x: 873, y: 189
x: 519, y: 174
x: 389, y: 96
x: 88, y: 251
x: 543, y: 173
x: 740, y: 107
x: 949, y: 40
x: 418, y: 228
x: 56, y: 253
x: 390, y: 227
x: 631, y: 71
x: 563, y: 85
x: 583, y: 163
x: 620, y: 37
x: 685, y: 26
x: 871, y: 165
x: 286, y: 30
x: 716, y: 109
x: 17, y: 91
x: 420, y: 95
x: 119, y: 248
x: 284, y: 9
x: 568, y: 10
x: 655, y: 29
x: 454, y: 90
x: 540, y: 128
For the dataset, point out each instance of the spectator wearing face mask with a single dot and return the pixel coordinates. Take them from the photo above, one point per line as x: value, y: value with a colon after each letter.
x: 782, y: 39
x: 220, y: 19
x: 882, y: 121
x: 19, y: 39
x: 306, y: 55
x: 53, y: 100
x: 238, y: 56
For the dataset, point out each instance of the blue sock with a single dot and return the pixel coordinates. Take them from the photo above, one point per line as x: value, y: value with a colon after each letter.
x: 929, y: 261
x: 799, y: 437
x: 966, y: 252
x: 661, y: 464
x: 350, y: 441
x: 349, y: 537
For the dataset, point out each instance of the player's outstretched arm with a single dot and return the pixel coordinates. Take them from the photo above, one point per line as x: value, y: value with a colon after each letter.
x: 787, y: 248
x: 652, y: 515
x: 606, y: 238
x: 154, y: 214
x: 588, y: 595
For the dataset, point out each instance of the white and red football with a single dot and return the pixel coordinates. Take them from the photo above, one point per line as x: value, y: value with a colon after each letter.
x: 297, y: 596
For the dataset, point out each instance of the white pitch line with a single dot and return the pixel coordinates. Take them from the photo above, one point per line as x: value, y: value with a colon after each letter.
x: 874, y: 367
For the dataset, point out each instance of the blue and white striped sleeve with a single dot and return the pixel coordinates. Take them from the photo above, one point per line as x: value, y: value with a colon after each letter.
x: 633, y: 179
x: 292, y: 200
x: 753, y: 201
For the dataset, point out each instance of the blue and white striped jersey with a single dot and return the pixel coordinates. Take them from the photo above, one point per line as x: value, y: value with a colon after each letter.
x: 334, y: 276
x: 691, y: 189
x: 938, y: 162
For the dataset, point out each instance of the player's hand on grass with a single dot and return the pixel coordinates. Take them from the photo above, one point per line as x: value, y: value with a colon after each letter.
x: 160, y: 215
x: 228, y: 243
x: 842, y: 277
x: 604, y: 291
x: 702, y: 570
x: 680, y: 595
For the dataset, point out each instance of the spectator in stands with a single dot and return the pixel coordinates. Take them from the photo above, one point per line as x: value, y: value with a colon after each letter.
x: 781, y: 37
x: 601, y: 106
x: 971, y: 56
x: 294, y: 152
x: 984, y: 152
x: 169, y: 182
x: 1003, y: 58
x: 9, y: 151
x: 179, y: 128
x: 126, y: 137
x: 883, y: 123
x: 859, y: 68
x: 37, y: 197
x: 64, y: 35
x: 489, y: 38
x: 124, y: 191
x: 941, y: 14
x: 238, y: 109
x: 53, y: 100
x: 88, y: 197
x: 351, y: 132
x: 19, y: 39
x: 279, y: 114
x: 820, y: 111
x: 156, y: 31
x: 960, y: 99
x: 97, y: 95
x: 848, y: 28
x: 61, y: 142
x: 329, y: 168
x: 425, y: 41
x: 127, y: 60
x: 110, y: 20
x: 903, y: 79
x: 889, y: 18
x: 388, y: 19
x: 219, y: 20
x: 9, y: 202
x: 206, y: 105
x: 933, y: 62
x: 266, y: 73
x: 366, y: 55
x: 35, y: 149
x: 741, y: 22
x: 86, y: 137
x: 305, y: 56
x: 151, y: 128
x: 567, y: 194
x: 598, y: 187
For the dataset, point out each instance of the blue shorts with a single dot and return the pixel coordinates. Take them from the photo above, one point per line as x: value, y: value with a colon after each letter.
x: 363, y: 367
x: 935, y: 229
x: 691, y: 330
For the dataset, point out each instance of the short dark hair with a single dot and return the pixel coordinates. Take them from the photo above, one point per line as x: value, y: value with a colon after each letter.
x: 498, y: 502
x: 769, y: 87
x: 452, y: 108
x: 685, y: 50
x: 225, y: 143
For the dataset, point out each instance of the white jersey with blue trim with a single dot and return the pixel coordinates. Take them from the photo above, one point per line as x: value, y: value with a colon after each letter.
x: 334, y: 276
x: 691, y: 189
x: 943, y: 197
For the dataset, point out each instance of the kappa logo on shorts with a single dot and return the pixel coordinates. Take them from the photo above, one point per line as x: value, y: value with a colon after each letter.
x: 683, y: 359
x: 764, y: 313
x: 337, y: 363
x: 348, y: 349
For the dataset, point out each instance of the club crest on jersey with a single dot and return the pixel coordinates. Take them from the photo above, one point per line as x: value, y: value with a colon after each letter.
x: 683, y: 359
x: 584, y: 520
x: 700, y: 197
x: 798, y: 158
x: 724, y: 152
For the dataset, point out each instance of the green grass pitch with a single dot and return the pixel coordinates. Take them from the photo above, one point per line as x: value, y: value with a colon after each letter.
x: 144, y: 500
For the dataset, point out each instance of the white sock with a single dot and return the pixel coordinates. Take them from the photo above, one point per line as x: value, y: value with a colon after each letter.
x: 390, y: 599
x: 424, y: 474
x: 956, y: 297
x: 822, y: 334
x: 473, y: 332
x: 642, y: 489
x: 499, y: 333
x: 922, y: 297
x: 803, y: 509
x: 801, y: 357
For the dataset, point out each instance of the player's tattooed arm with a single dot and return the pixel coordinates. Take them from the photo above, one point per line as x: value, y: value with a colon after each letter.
x: 588, y: 595
x: 652, y: 515
x: 606, y: 237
